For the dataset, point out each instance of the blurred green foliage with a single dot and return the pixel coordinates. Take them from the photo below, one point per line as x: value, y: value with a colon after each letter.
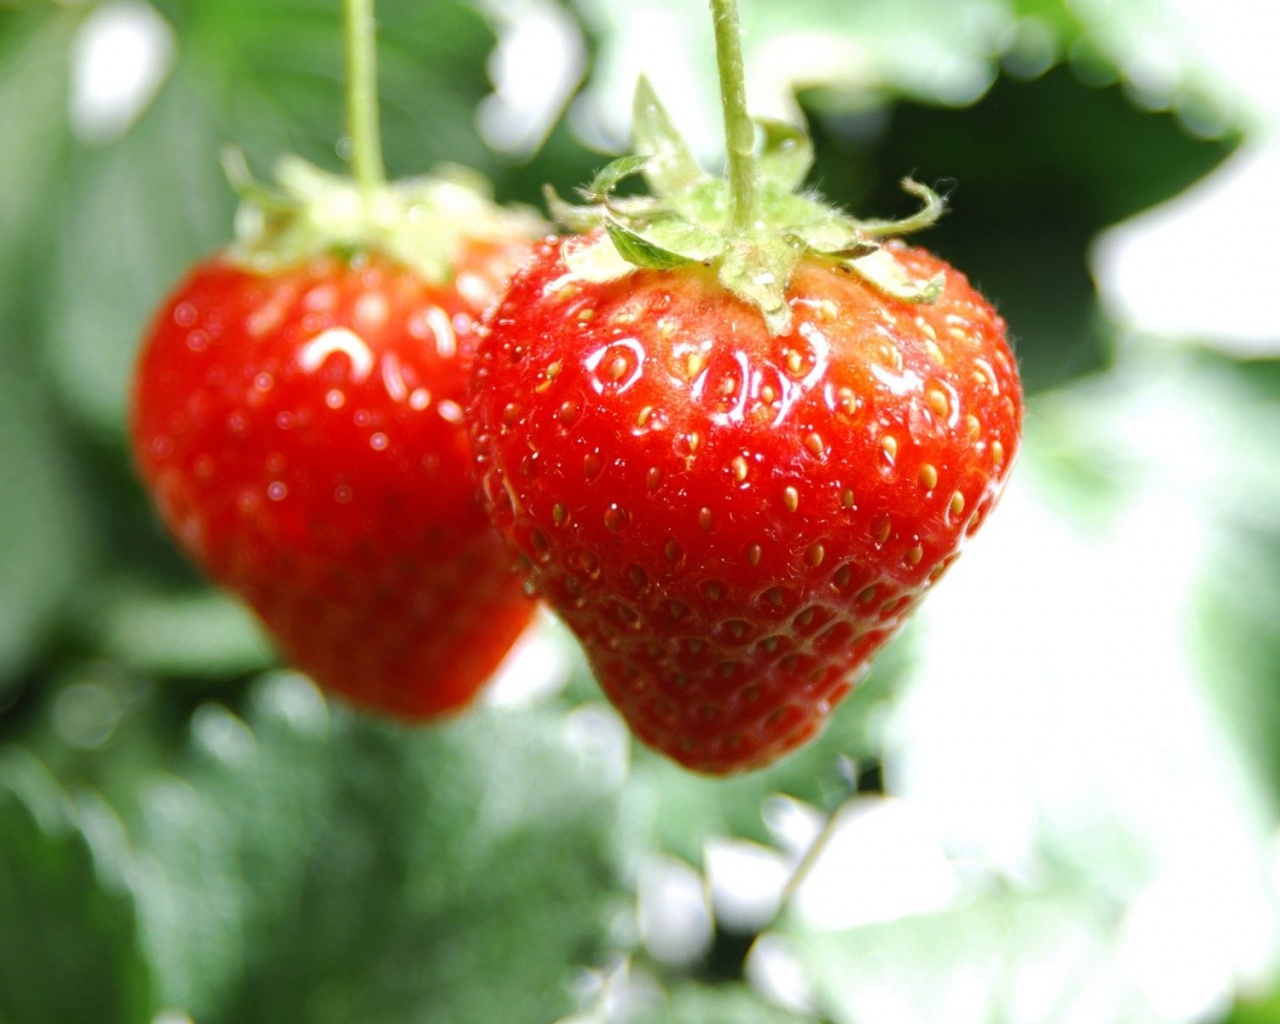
x: 186, y: 829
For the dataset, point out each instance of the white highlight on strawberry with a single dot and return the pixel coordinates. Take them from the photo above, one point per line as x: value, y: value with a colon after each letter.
x: 313, y: 354
x: 442, y: 328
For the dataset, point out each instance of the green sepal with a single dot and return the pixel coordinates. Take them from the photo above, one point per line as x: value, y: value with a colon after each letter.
x: 884, y: 273
x: 687, y: 220
x: 932, y: 207
x: 670, y: 167
x: 606, y: 180
x: 832, y: 236
x: 595, y: 259
x: 758, y: 270
x: 418, y: 222
x: 640, y: 251
x: 786, y: 154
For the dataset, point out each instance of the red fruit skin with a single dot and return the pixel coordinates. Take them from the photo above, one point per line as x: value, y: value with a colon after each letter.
x: 302, y: 436
x: 733, y: 523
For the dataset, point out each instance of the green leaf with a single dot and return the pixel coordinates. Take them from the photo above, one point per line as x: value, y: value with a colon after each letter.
x: 138, y: 213
x: 44, y: 543
x: 35, y: 52
x: 69, y: 947
x: 321, y: 866
x: 202, y: 633
x: 786, y: 154
x: 670, y: 166
x: 977, y: 964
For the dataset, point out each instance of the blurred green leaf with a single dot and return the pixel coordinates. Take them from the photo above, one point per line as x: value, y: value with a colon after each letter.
x: 69, y: 948
x: 1007, y: 957
x: 202, y: 633
x: 693, y: 1003
x: 34, y: 83
x: 329, y: 868
x: 1038, y: 168
x: 43, y: 542
x: 136, y: 214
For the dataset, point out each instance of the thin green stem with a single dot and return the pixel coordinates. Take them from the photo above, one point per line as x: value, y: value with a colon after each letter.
x: 362, y: 95
x: 739, y: 131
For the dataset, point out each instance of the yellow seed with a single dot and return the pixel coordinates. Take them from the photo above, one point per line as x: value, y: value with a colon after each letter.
x: 559, y: 513
x: 653, y: 478
x: 791, y: 498
x: 890, y: 445
x: 846, y: 498
x: 728, y: 386
x: 880, y: 529
x: 816, y: 554
x: 926, y: 328
x: 842, y: 576
x: 694, y: 364
x: 615, y: 518
x: 586, y: 314
x: 806, y: 617
x: 695, y: 440
x: 867, y: 594
x: 957, y: 503
x: 928, y: 476
x: 914, y: 555
x: 794, y: 362
x: 739, y: 468
x: 814, y: 443
x: 754, y: 553
x: 973, y: 425
x: 957, y: 333
x: 705, y: 518
x: 617, y: 367
x: 938, y: 403
x: 590, y: 465
x: 934, y: 352
x: 997, y: 453
x: 642, y: 417
x: 768, y: 394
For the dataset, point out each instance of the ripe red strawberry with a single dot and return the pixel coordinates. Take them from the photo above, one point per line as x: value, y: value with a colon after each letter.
x: 733, y: 522
x: 300, y: 428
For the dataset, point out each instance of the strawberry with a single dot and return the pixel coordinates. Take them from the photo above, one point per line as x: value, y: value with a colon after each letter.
x: 734, y: 494
x: 298, y: 420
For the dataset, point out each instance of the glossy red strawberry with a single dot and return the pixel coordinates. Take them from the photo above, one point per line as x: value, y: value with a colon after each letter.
x: 733, y: 522
x: 301, y: 431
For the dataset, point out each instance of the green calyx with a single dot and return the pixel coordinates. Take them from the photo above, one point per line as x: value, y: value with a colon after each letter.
x: 688, y: 218
x: 418, y: 222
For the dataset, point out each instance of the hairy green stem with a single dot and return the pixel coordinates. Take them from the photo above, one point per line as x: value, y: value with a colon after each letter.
x: 739, y: 130
x: 362, y: 95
